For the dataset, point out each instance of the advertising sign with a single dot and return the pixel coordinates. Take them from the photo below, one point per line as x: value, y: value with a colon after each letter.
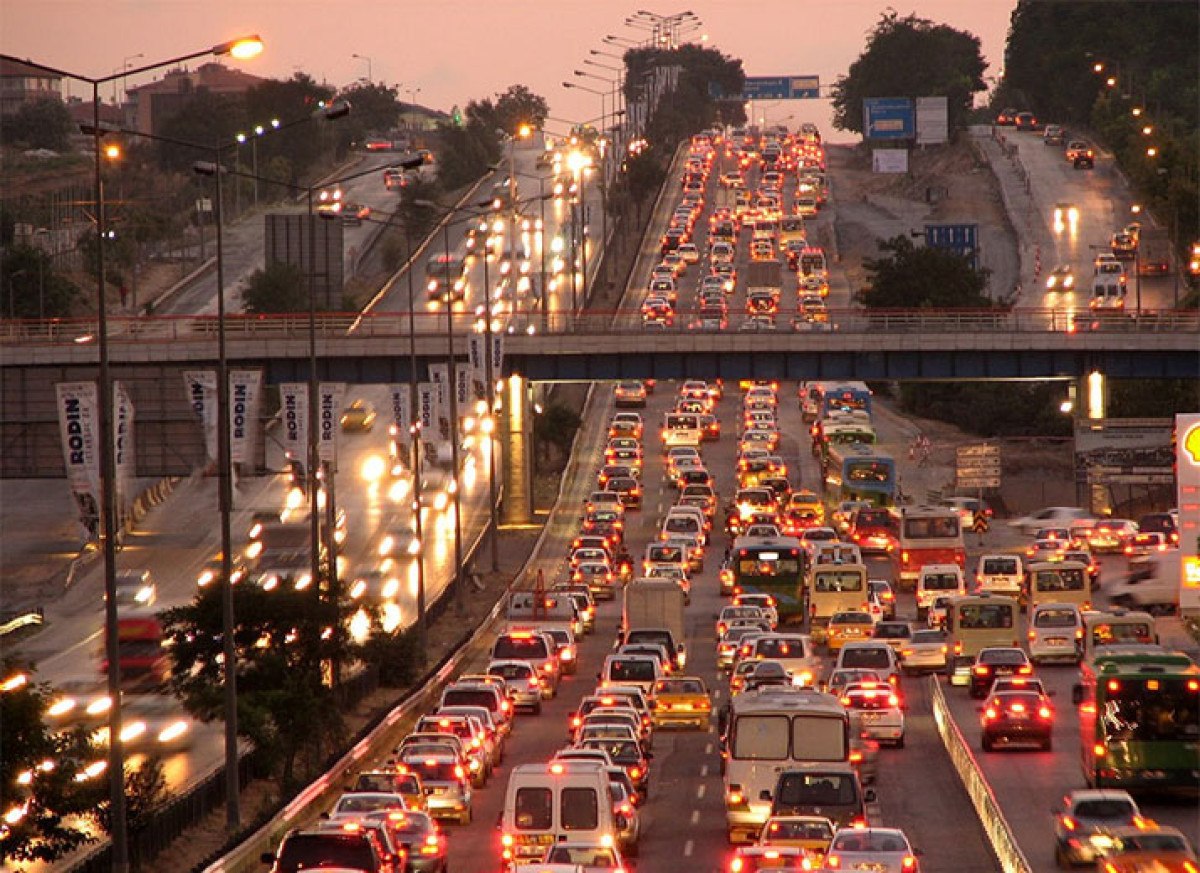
x: 329, y: 407
x: 889, y: 160
x: 78, y: 420
x: 201, y: 387
x: 401, y: 398
x: 1187, y: 461
x: 465, y: 389
x: 293, y: 409
x: 933, y: 120
x: 426, y: 414
x: 1112, y: 450
x: 888, y: 118
x: 123, y: 459
x: 245, y: 388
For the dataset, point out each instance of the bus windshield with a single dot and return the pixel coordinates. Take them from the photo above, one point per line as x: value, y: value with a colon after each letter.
x: 931, y: 527
x: 1134, y: 711
x: 1122, y: 633
x: 981, y: 616
x: 1066, y: 579
x: 768, y: 564
x: 837, y: 581
x: 868, y: 471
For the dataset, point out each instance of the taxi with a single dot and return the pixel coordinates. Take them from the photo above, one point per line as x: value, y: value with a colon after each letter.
x: 629, y: 394
x: 750, y: 859
x: 847, y: 626
x: 811, y: 832
x: 808, y: 501
x: 681, y: 701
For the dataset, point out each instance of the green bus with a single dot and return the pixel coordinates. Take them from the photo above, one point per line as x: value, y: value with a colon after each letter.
x: 1139, y: 712
x: 771, y: 565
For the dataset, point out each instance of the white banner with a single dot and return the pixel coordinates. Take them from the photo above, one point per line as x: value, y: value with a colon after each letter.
x: 329, y: 406
x: 497, y: 357
x: 244, y: 397
x: 78, y: 411
x: 933, y: 121
x: 293, y: 405
x: 889, y: 161
x: 124, y: 463
x: 439, y: 375
x: 476, y: 357
x: 401, y: 397
x: 426, y: 414
x: 201, y: 386
x: 465, y: 390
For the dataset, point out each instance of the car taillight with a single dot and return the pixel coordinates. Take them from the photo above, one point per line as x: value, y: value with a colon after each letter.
x: 635, y: 772
x: 981, y: 670
x: 1068, y: 823
x: 1044, y: 712
x: 833, y: 862
x: 909, y: 863
x: 505, y: 706
x: 989, y: 713
x: 859, y: 822
x: 1032, y: 636
x: 458, y: 772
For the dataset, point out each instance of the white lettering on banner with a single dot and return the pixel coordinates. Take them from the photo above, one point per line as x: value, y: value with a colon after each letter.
x: 425, y: 405
x: 402, y: 410
x: 463, y: 378
x: 244, y: 394
x: 439, y: 375
x: 475, y: 350
x: 202, y: 389
x: 497, y: 355
x: 123, y: 443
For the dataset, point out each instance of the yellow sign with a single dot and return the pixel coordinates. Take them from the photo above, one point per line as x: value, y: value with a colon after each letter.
x: 1191, y: 571
x: 1191, y: 444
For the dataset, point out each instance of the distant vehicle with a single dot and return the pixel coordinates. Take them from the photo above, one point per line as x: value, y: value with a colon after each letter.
x: 1081, y: 155
x: 1007, y: 117
x: 1053, y: 134
x: 1025, y: 121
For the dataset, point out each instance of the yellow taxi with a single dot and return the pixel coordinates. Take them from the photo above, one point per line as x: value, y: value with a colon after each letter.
x: 681, y: 701
x: 811, y: 832
x: 809, y: 502
x: 847, y: 626
x: 359, y: 416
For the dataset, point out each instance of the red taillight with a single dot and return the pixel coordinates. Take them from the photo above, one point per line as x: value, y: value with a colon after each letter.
x: 909, y: 863
x: 989, y: 713
x: 981, y: 669
x: 833, y: 862
x: 1045, y: 712
x: 1068, y: 823
x: 859, y: 823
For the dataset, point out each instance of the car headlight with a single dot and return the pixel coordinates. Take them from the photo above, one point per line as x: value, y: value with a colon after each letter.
x: 173, y: 731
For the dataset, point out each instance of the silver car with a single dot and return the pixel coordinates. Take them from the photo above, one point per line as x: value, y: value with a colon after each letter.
x: 883, y: 850
x: 447, y: 786
x: 522, y: 681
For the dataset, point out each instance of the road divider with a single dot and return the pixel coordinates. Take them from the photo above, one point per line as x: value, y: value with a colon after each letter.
x: 995, y: 826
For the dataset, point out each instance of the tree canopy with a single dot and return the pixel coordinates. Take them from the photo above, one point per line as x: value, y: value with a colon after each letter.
x: 908, y: 276
x: 34, y: 289
x: 277, y: 287
x: 911, y: 57
x: 41, y: 124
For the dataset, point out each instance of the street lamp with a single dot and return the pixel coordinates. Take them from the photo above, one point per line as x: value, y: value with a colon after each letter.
x: 243, y: 48
x: 357, y: 56
x: 259, y: 130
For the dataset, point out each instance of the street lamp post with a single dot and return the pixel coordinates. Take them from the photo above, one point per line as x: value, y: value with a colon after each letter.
x: 357, y: 56
x: 414, y: 438
x: 453, y: 389
x: 241, y: 48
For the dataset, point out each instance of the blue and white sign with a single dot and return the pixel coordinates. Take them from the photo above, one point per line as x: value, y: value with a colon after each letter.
x: 889, y: 118
x: 962, y: 239
x: 773, y: 88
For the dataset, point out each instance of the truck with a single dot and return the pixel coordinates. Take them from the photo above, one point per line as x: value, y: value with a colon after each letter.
x: 1154, y: 252
x: 529, y: 610
x: 653, y: 609
x: 764, y: 276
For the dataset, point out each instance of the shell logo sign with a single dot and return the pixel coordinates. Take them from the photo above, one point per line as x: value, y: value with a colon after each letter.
x: 1191, y: 444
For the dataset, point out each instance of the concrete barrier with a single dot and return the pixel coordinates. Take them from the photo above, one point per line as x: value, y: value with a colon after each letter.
x: 997, y: 829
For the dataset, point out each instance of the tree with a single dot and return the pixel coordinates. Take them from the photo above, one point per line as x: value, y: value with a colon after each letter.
x: 57, y: 806
x: 920, y: 277
x: 34, y: 289
x: 284, y: 646
x: 207, y: 119
x: 278, y: 287
x: 518, y: 105
x: 556, y: 427
x: 469, y: 151
x: 911, y: 57
x: 375, y: 109
x: 40, y: 124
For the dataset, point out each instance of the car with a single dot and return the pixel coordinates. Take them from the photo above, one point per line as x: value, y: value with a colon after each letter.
x: 1083, y: 822
x: 895, y: 633
x: 811, y: 832
x: 884, y: 850
x: 1142, y: 847
x: 1081, y: 155
x: 1050, y: 516
x: 422, y: 839
x: 880, y: 592
x: 1025, y: 121
x: 448, y: 786
x: 135, y: 589
x: 879, y: 710
x: 847, y: 626
x: 759, y: 859
x: 681, y: 701
x: 1017, y: 717
x: 629, y: 395
x: 584, y: 857
x: 1044, y: 549
x: 1055, y: 632
x: 925, y: 650
x: 355, y: 849
x: 1006, y: 117
x: 997, y: 661
x: 521, y: 681
x: 1053, y: 134
x: 1111, y: 535
x: 1061, y: 279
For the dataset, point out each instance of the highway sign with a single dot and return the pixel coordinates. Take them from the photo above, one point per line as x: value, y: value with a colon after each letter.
x: 773, y: 88
x: 978, y: 464
x: 889, y: 118
x: 963, y: 239
x: 981, y: 450
x: 973, y: 483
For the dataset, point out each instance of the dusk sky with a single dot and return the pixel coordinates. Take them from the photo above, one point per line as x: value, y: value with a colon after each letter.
x: 456, y: 51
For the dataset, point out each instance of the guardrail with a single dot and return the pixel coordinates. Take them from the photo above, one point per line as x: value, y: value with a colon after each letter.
x: 595, y: 322
x: 999, y: 834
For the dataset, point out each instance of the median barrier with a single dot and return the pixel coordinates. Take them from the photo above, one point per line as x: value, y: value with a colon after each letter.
x: 999, y: 833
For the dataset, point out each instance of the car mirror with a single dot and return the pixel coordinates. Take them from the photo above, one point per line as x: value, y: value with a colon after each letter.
x: 869, y: 795
x: 267, y: 857
x: 764, y: 795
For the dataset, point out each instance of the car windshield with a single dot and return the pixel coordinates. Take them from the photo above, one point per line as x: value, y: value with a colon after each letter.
x: 631, y: 670
x: 521, y: 648
x: 799, y: 829
x: 928, y: 636
x: 1000, y: 566
x: 511, y: 671
x: 1002, y: 656
x: 484, y: 697
x: 305, y: 851
x: 873, y: 658
x: 816, y: 789
x: 870, y: 841
x: 1108, y: 809
x: 1056, y: 618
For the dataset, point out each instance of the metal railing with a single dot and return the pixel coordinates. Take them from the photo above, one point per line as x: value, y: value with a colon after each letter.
x: 597, y: 322
x: 1000, y: 835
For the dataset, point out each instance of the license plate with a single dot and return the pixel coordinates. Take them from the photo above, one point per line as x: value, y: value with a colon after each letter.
x: 1018, y: 716
x: 870, y: 865
x: 872, y: 716
x: 1056, y: 641
x: 536, y: 840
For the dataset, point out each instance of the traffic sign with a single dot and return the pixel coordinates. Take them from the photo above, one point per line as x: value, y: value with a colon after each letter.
x: 889, y: 118
x: 973, y: 483
x: 983, y: 468
x: 772, y: 88
x: 963, y: 239
x: 981, y: 450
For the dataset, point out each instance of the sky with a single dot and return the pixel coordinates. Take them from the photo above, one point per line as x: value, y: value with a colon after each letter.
x: 457, y: 50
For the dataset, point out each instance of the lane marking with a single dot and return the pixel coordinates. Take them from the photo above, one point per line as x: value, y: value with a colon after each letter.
x: 687, y: 849
x: 700, y: 793
x: 704, y: 771
x: 695, y: 816
x: 708, y: 748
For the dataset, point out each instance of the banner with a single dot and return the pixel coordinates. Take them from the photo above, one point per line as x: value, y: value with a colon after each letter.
x: 244, y: 398
x: 293, y: 408
x: 1187, y: 497
x: 78, y: 408
x: 439, y: 374
x: 476, y: 357
x: 426, y: 414
x: 465, y: 395
x: 329, y: 406
x: 124, y: 463
x: 401, y: 397
x: 201, y: 386
x: 497, y: 357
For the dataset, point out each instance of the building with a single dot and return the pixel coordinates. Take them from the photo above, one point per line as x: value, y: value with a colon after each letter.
x: 414, y: 117
x: 149, y: 105
x: 21, y: 84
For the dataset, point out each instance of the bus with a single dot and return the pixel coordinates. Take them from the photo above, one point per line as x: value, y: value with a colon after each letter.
x: 771, y: 730
x: 834, y: 588
x: 975, y: 622
x: 928, y: 535
x: 855, y: 471
x: 1139, y: 718
x: 841, y: 431
x: 1121, y: 627
x: 771, y: 565
x: 1060, y: 582
x: 681, y: 429
x: 844, y: 397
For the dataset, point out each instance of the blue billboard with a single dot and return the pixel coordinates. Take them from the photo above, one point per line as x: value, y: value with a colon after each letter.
x: 962, y: 239
x: 889, y: 118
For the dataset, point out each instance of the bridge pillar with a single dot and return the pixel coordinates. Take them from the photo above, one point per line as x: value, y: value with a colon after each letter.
x: 516, y: 442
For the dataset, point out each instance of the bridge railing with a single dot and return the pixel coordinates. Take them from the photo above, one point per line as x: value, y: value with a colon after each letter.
x: 337, y: 325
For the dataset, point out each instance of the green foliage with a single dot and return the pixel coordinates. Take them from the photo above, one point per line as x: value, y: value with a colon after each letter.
x: 919, y: 277
x: 284, y: 648
x: 990, y: 409
x: 57, y: 806
x: 41, y: 124
x: 208, y: 120
x: 33, y: 289
x: 397, y: 656
x: 145, y: 792
x: 518, y: 105
x: 467, y: 152
x: 375, y: 108
x: 278, y: 287
x: 1152, y: 398
x: 911, y: 57
x: 418, y: 220
x: 688, y: 108
x: 556, y: 426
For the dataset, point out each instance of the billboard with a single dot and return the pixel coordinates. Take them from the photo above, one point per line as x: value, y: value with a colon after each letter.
x: 933, y: 121
x: 888, y: 118
x: 1187, y: 496
x: 889, y: 160
x: 1124, y: 451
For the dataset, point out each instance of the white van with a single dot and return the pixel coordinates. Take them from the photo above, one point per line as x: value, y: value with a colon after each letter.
x: 682, y: 520
x: 1055, y: 632
x: 554, y: 801
x: 999, y: 574
x: 938, y: 580
x: 836, y: 553
x: 1151, y: 584
x: 640, y: 670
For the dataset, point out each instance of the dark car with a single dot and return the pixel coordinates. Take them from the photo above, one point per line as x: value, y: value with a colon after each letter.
x: 997, y: 661
x: 1017, y: 717
x: 1160, y: 522
x: 833, y: 792
x: 422, y: 839
x: 348, y: 849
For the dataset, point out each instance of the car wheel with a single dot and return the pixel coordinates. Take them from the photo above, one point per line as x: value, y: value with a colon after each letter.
x: 1048, y: 744
x: 1061, y: 859
x: 900, y: 742
x: 987, y: 743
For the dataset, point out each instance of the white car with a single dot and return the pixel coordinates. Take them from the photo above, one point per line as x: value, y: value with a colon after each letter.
x: 884, y: 850
x: 1055, y: 632
x: 878, y: 706
x: 1052, y: 516
x: 925, y: 650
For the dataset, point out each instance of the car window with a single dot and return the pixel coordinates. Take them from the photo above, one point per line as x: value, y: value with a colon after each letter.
x: 1056, y: 618
x: 302, y: 851
x: 520, y: 648
x: 533, y: 809
x: 816, y: 789
x: 872, y: 658
x: 580, y: 809
x: 1105, y: 810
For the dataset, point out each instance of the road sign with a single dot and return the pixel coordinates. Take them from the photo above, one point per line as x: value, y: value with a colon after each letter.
x: 772, y: 88
x: 889, y: 118
x: 982, y: 450
x: 979, y: 466
x: 962, y: 239
x: 972, y: 483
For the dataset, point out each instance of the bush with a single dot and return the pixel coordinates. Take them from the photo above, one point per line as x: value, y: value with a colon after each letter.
x: 397, y: 656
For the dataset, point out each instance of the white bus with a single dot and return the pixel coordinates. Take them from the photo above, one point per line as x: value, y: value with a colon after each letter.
x: 771, y: 730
